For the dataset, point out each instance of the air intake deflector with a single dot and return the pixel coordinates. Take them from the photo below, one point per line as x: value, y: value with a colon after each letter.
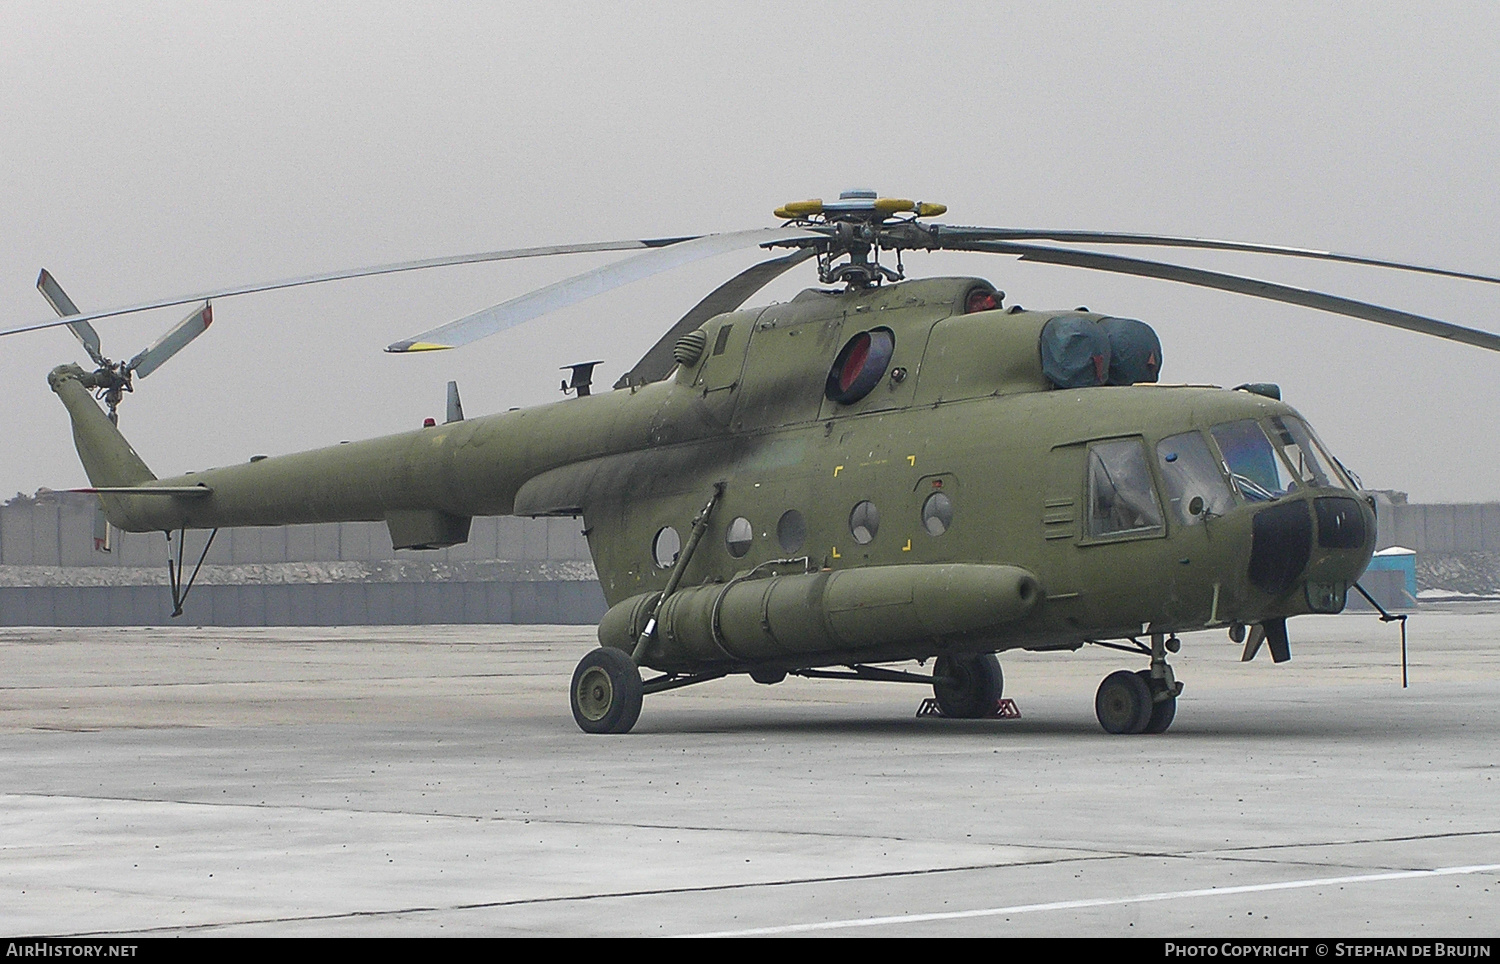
x: 1281, y: 544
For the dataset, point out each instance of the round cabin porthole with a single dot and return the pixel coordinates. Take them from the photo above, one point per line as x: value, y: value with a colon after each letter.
x: 937, y: 514
x: 860, y: 365
x: 864, y: 522
x: 665, y: 547
x: 791, y: 530
x: 739, y: 536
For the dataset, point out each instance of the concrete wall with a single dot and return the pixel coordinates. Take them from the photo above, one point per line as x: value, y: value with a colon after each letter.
x: 320, y: 604
x: 1461, y: 527
x: 61, y: 533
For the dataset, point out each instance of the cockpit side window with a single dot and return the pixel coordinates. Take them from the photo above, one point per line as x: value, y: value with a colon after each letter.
x: 1121, y: 497
x: 1190, y: 471
x: 1254, y: 468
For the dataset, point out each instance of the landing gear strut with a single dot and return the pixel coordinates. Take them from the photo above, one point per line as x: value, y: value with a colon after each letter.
x: 1144, y: 701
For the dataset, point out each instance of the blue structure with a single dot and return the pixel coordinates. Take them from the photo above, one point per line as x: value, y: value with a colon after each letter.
x: 1400, y: 560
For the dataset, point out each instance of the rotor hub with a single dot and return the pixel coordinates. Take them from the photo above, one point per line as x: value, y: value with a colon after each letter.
x: 857, y: 205
x: 860, y: 224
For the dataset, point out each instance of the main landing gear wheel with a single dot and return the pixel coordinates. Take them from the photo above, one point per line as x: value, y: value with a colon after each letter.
x: 1123, y: 703
x: 1162, y: 711
x: 607, y: 692
x: 975, y: 688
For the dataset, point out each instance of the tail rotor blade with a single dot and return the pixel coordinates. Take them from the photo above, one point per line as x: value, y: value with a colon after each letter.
x: 63, y: 305
x: 174, y: 341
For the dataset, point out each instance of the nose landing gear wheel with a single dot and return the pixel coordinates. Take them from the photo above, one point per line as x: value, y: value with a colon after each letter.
x: 975, y: 687
x: 1162, y: 711
x: 606, y: 692
x: 1123, y: 703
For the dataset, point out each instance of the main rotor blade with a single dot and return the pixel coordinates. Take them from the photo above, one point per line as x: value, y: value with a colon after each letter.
x: 968, y: 234
x: 1241, y: 285
x: 174, y: 341
x: 313, y: 279
x: 582, y: 286
x: 63, y: 305
x: 658, y: 362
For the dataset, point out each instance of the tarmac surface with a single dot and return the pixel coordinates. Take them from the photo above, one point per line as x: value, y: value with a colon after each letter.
x: 431, y: 781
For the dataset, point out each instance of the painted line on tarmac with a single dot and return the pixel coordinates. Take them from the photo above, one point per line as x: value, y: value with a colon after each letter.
x: 1102, y: 901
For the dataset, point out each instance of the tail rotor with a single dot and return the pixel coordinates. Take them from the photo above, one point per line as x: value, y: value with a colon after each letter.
x: 111, y: 380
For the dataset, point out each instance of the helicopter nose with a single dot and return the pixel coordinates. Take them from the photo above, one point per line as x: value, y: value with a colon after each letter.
x: 1324, y: 542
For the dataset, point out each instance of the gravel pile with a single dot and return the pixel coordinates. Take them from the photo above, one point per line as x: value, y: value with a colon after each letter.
x: 301, y: 573
x: 1466, y: 572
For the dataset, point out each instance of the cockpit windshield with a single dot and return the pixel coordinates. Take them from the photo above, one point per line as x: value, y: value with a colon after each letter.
x: 1254, y: 468
x: 1258, y: 473
x: 1297, y: 446
x: 1309, y: 458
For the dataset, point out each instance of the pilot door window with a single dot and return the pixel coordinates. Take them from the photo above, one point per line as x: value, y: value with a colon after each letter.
x: 1195, y: 486
x: 1122, y: 500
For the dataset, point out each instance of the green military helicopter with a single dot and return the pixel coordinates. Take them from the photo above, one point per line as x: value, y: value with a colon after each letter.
x: 880, y: 470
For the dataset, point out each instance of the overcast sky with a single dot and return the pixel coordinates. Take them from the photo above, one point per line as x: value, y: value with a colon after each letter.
x: 157, y: 149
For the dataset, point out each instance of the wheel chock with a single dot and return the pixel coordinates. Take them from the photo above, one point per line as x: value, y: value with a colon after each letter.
x: 1005, y: 709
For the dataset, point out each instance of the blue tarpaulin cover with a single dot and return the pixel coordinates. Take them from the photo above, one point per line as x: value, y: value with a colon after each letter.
x: 1075, y: 352
x: 1134, y: 351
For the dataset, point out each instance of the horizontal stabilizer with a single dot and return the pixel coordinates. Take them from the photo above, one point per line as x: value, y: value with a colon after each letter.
x: 185, y: 491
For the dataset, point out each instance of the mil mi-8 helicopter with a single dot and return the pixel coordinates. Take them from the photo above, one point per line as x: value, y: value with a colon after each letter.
x: 880, y: 470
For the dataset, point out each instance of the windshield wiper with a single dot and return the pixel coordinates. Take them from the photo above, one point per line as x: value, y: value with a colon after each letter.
x: 1251, y: 490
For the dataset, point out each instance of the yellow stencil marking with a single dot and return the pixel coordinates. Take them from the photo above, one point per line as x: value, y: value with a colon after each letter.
x: 836, y: 470
x: 907, y: 547
x: 911, y: 460
x: 836, y: 553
